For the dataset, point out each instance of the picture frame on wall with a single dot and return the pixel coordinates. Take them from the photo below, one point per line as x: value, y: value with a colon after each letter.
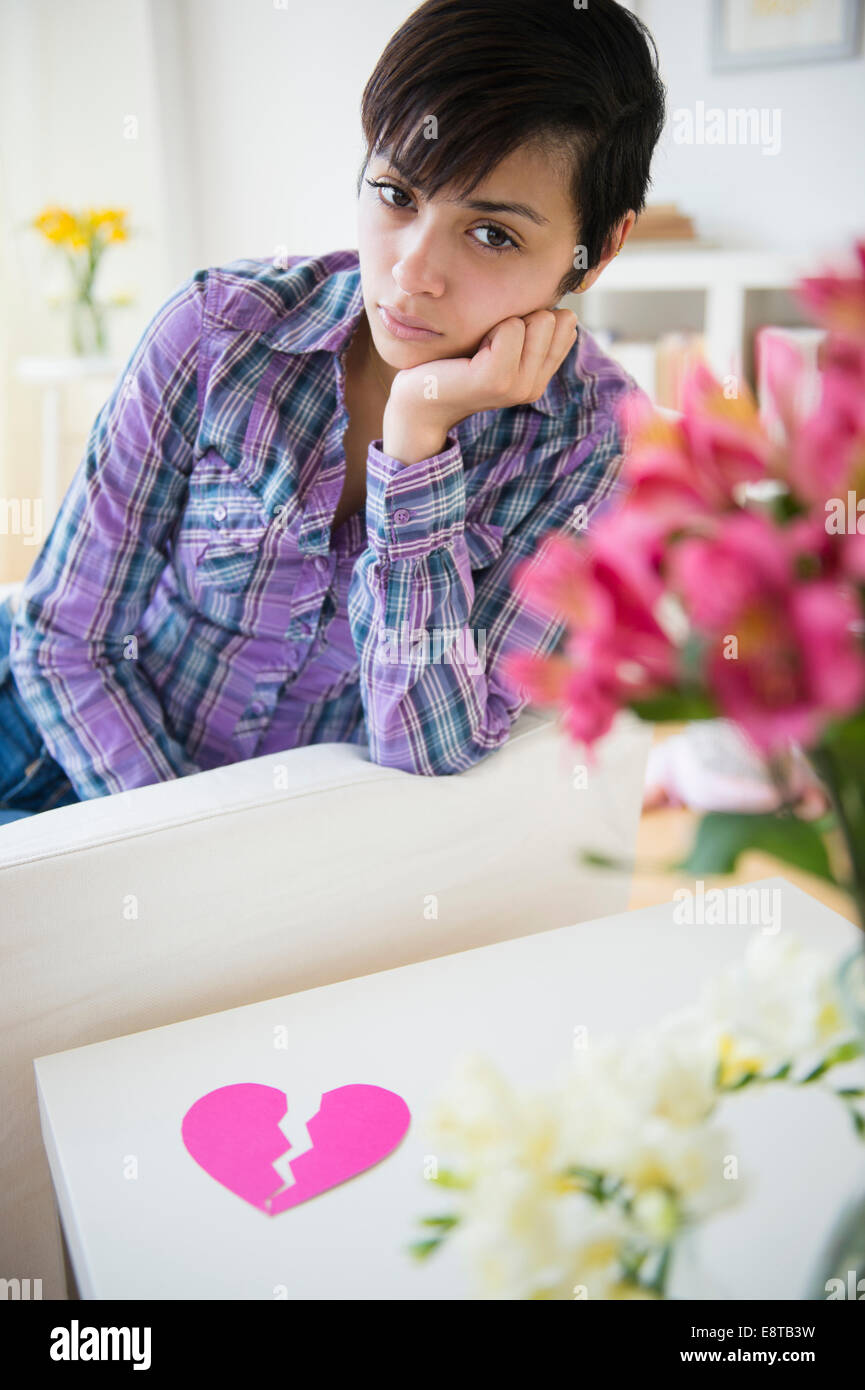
x: 758, y: 33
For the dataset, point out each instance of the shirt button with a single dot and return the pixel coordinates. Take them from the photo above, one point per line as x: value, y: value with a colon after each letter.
x: 220, y: 512
x: 401, y: 515
x: 256, y: 707
x: 320, y: 563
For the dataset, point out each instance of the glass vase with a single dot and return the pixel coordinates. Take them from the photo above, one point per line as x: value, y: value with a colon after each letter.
x: 88, y: 332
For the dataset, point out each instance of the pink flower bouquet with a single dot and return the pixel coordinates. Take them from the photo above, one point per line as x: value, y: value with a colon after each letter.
x: 704, y: 596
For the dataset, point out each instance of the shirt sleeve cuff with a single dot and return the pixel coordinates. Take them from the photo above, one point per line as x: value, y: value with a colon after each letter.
x: 415, y: 508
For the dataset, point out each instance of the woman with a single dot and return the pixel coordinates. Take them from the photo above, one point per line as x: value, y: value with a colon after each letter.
x: 300, y: 510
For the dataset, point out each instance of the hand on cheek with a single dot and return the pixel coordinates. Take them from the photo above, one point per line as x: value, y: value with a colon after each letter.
x: 512, y: 366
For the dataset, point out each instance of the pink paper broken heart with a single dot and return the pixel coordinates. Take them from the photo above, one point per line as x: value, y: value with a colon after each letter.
x: 234, y: 1134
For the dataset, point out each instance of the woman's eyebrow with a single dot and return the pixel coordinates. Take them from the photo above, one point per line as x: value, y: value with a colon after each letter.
x: 484, y: 204
x: 518, y: 209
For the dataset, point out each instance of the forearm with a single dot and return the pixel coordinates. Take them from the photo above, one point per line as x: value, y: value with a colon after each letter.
x: 428, y: 703
x: 410, y: 441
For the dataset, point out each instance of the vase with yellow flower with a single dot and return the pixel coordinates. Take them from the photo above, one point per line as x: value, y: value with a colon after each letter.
x: 83, y: 238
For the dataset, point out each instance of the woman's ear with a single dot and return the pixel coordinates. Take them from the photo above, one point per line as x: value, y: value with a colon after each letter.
x: 625, y: 229
x: 614, y: 246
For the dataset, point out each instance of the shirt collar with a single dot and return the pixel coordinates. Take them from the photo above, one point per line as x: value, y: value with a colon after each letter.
x: 326, y: 319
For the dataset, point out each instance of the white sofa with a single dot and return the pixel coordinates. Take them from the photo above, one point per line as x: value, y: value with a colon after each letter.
x: 192, y: 896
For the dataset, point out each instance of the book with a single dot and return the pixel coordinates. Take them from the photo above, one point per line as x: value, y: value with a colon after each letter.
x: 662, y: 222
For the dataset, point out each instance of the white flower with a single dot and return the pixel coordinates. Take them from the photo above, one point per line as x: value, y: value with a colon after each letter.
x: 635, y: 1116
x: 601, y: 1110
x: 509, y: 1232
x: 482, y: 1117
x: 594, y: 1269
x: 640, y: 1112
x: 780, y: 1001
x: 673, y: 1065
x: 526, y: 1242
x: 688, y: 1161
x: 656, y: 1212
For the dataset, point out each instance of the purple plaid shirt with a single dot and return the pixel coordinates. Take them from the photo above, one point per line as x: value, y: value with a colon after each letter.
x: 189, y: 607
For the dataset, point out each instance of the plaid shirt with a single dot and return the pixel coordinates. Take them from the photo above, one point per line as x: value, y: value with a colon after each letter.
x: 189, y: 607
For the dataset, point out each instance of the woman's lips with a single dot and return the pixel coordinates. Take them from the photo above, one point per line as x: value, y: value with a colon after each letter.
x: 401, y: 330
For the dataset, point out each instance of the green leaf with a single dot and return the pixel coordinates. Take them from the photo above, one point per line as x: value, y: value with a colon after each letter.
x: 593, y: 1175
x: 445, y: 1222
x: 818, y: 1071
x: 675, y: 704
x: 605, y: 861
x: 447, y: 1178
x: 843, y: 1052
x: 781, y: 1074
x: 723, y: 835
x: 785, y: 507
x: 629, y: 866
x: 744, y: 1080
x: 858, y: 1122
x: 631, y: 1262
x: 846, y: 735
x: 587, y: 1180
x: 420, y: 1249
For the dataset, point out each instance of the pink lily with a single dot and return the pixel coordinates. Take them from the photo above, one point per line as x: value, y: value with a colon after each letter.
x: 838, y: 301
x: 796, y: 660
x: 694, y: 464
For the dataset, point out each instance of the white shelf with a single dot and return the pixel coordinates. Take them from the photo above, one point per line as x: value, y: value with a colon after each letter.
x: 686, y: 266
x: 53, y: 370
x: 724, y: 276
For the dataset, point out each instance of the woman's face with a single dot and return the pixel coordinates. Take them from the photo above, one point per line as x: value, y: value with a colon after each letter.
x: 458, y: 267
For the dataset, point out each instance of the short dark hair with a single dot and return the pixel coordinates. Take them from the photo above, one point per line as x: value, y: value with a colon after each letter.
x: 580, y: 83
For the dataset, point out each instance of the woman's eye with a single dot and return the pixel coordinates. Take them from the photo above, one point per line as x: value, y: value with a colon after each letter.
x: 383, y: 186
x: 497, y: 232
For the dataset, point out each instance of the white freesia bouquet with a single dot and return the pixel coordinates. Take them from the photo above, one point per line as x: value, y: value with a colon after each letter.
x: 583, y: 1191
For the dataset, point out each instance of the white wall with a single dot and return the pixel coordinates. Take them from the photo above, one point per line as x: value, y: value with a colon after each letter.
x: 276, y: 95
x: 276, y: 99
x: 71, y: 76
x: 249, y: 139
x: 811, y: 195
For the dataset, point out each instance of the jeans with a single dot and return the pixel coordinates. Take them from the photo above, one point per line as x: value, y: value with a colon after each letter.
x: 30, y: 779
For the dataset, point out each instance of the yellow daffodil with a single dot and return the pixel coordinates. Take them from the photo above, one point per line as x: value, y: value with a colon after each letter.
x: 56, y: 224
x: 81, y: 230
x: 83, y: 237
x: 113, y: 222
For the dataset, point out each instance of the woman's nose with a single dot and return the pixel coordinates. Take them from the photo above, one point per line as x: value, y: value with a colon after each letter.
x: 419, y: 268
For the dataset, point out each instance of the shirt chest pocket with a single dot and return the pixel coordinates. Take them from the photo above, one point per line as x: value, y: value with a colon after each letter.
x: 229, y: 562
x: 228, y: 547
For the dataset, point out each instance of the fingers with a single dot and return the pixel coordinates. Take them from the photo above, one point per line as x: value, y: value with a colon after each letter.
x: 507, y: 336
x: 550, y: 334
x: 524, y: 352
